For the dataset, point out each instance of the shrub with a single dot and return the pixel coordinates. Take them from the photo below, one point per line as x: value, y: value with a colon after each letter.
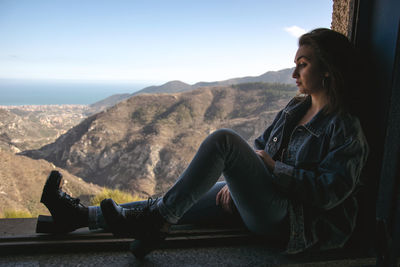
x: 7, y: 214
x: 117, y: 195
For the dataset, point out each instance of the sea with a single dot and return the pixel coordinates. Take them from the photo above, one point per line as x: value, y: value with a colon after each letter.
x: 59, y: 92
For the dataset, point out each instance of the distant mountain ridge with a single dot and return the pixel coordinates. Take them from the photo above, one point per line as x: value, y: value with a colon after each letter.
x: 283, y: 76
x: 169, y: 87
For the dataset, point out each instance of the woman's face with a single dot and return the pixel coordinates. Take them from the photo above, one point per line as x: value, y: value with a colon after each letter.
x: 308, y: 72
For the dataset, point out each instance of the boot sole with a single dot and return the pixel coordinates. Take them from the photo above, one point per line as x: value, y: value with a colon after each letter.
x: 46, y: 225
x: 139, y: 248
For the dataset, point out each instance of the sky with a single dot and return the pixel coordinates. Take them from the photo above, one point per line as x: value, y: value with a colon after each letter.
x: 152, y: 41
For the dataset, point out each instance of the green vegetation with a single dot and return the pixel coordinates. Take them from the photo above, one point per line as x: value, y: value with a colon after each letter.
x: 140, y: 116
x: 259, y: 85
x: 8, y: 214
x: 117, y: 195
x: 146, y: 113
x: 183, y: 113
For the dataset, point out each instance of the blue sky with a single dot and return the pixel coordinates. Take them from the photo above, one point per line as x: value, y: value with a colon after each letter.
x: 152, y: 40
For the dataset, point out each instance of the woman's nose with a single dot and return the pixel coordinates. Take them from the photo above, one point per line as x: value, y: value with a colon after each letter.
x: 295, y: 73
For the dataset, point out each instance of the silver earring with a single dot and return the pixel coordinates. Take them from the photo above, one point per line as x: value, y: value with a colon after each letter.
x: 323, y: 82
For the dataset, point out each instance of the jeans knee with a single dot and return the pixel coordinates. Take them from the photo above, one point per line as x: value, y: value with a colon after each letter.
x: 225, y: 138
x: 224, y: 133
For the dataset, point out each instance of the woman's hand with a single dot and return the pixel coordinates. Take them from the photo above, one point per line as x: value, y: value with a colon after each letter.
x: 224, y: 199
x: 266, y: 158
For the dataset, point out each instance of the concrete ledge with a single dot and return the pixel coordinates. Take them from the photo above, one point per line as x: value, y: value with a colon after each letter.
x: 18, y: 236
x: 185, y: 242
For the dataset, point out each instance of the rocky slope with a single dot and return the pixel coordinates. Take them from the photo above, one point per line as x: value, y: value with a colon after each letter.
x: 22, y: 180
x: 143, y: 143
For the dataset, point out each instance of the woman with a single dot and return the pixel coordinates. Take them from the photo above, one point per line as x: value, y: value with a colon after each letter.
x: 296, y: 185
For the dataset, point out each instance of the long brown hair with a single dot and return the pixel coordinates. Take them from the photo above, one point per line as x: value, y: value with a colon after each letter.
x: 338, y: 58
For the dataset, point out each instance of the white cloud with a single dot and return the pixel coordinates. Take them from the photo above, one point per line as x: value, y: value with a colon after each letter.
x: 296, y: 31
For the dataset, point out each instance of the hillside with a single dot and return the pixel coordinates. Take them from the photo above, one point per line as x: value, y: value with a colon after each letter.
x: 142, y: 144
x: 31, y: 127
x: 22, y: 180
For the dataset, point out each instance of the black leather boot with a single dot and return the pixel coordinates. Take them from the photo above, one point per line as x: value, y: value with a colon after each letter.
x: 140, y: 223
x: 67, y: 212
x: 145, y: 224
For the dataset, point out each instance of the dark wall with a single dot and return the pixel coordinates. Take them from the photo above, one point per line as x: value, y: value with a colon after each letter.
x: 376, y: 36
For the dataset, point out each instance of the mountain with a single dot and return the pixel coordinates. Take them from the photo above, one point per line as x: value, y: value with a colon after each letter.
x: 282, y: 76
x: 22, y: 180
x: 169, y: 87
x: 143, y: 143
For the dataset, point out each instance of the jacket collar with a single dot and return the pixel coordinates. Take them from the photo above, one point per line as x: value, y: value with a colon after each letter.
x: 300, y: 106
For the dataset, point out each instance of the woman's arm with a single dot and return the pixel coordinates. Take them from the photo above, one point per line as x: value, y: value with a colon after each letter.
x: 267, y: 159
x: 331, y: 182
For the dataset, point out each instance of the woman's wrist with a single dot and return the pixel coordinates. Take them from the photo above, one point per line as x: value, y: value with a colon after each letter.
x: 271, y: 164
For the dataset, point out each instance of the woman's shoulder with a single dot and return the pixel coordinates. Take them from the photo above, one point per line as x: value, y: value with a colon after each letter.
x: 346, y: 128
x: 346, y: 125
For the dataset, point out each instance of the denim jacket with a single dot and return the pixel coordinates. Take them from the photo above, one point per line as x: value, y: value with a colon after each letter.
x: 318, y: 169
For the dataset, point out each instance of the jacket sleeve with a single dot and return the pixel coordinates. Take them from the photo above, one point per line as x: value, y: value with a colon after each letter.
x: 261, y: 141
x: 331, y: 182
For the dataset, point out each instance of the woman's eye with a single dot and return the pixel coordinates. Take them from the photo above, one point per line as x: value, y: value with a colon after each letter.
x: 301, y: 65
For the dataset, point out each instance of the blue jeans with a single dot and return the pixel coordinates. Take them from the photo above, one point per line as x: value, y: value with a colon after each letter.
x: 192, y: 199
x: 261, y: 206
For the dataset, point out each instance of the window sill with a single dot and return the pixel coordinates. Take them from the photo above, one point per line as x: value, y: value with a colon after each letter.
x: 18, y: 236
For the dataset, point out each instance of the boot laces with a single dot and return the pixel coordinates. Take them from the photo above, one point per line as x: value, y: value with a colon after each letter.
x: 138, y: 212
x: 73, y: 202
